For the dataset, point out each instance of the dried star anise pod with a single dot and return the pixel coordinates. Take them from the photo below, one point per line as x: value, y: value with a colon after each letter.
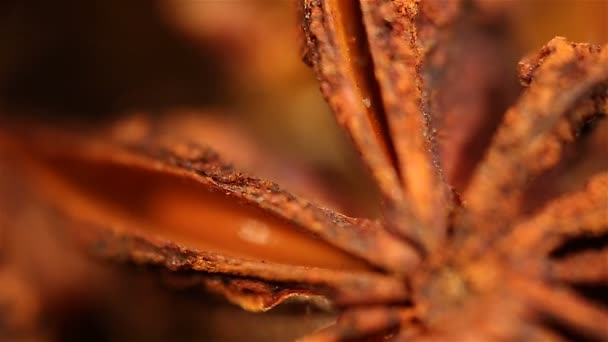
x: 476, y: 253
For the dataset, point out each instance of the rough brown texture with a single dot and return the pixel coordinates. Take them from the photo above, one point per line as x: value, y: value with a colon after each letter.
x: 434, y: 268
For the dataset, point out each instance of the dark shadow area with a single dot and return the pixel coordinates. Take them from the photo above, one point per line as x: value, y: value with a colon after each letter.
x: 91, y: 58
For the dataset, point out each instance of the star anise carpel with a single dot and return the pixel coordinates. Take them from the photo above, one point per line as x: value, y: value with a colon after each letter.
x: 465, y: 248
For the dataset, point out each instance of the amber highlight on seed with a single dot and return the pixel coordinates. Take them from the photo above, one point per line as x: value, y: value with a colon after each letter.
x: 167, y: 189
x: 178, y: 209
x: 336, y: 47
x: 351, y: 36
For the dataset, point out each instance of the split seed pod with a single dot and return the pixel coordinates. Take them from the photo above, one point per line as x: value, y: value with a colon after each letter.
x: 433, y: 268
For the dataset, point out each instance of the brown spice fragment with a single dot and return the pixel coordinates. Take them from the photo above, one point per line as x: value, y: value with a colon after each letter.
x: 343, y: 287
x: 480, y: 271
x: 575, y: 214
x: 586, y: 267
x: 526, y: 143
x: 326, y: 48
x: 202, y: 166
x: 129, y: 302
x: 391, y: 33
x: 550, y: 300
x: 391, y: 55
x: 331, y: 53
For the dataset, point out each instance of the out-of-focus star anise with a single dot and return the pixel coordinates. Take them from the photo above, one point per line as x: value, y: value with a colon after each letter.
x: 473, y: 253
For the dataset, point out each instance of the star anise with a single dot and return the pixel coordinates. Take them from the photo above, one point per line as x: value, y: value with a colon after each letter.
x: 473, y: 253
